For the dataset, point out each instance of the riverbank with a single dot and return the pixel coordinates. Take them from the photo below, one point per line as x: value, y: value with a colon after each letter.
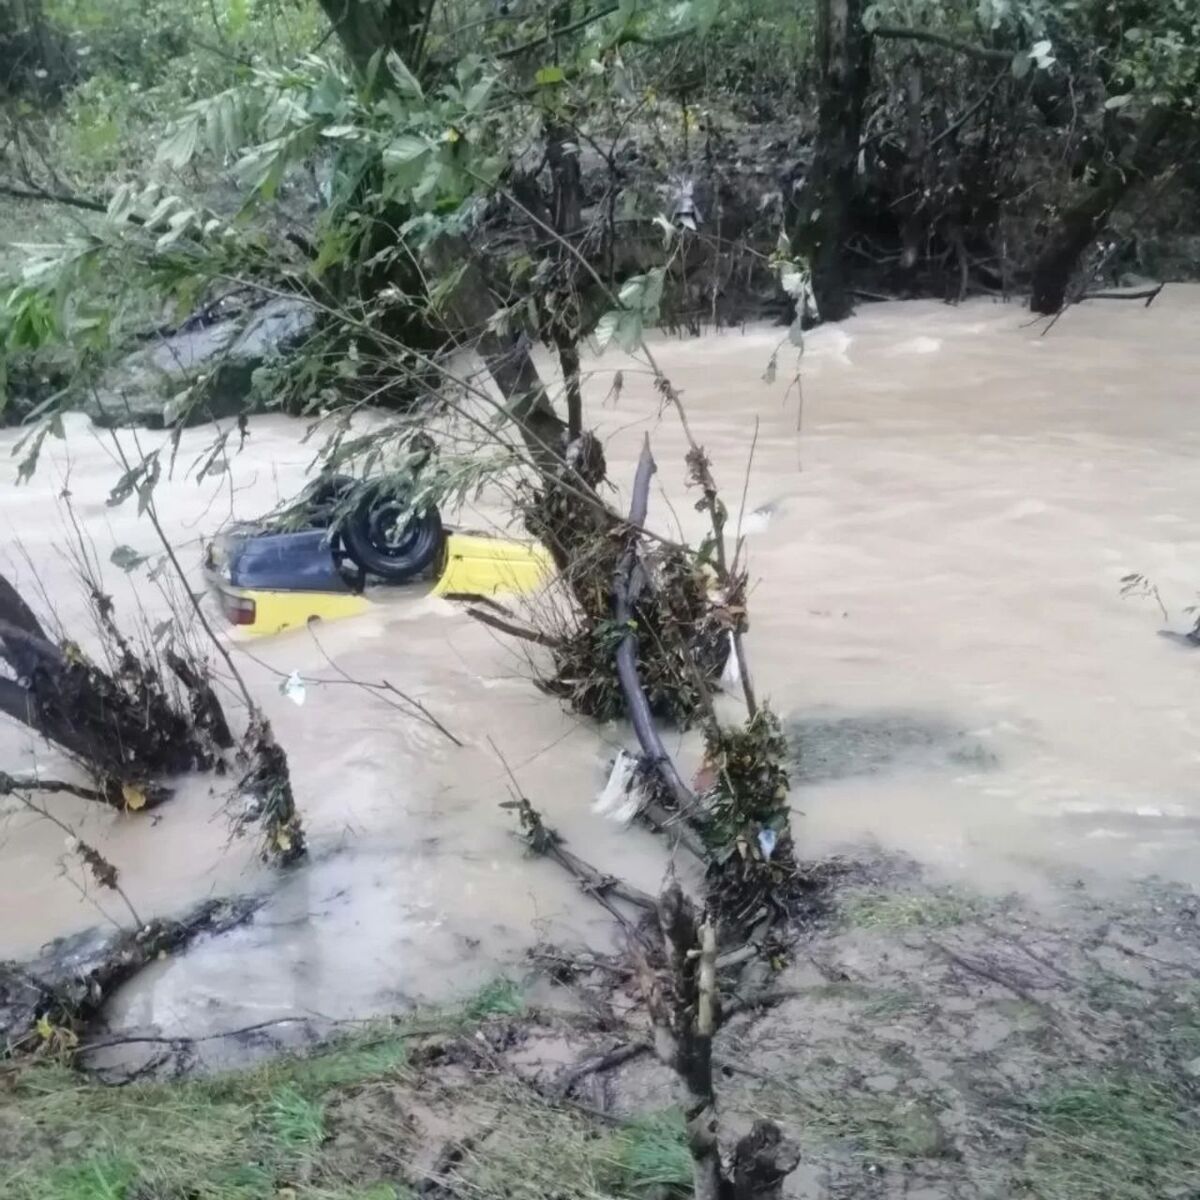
x: 935, y: 1043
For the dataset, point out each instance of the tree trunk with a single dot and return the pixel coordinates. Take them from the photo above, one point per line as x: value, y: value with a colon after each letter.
x: 821, y: 215
x: 33, y: 54
x: 365, y: 27
x: 1079, y: 225
x: 913, y: 179
x: 685, y: 1007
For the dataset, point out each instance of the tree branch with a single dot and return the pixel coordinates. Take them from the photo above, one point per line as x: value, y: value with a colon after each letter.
x: 87, y: 203
x: 562, y: 31
x: 624, y: 585
x: 900, y: 33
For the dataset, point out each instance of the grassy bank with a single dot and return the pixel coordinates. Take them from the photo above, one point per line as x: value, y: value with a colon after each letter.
x: 933, y: 1042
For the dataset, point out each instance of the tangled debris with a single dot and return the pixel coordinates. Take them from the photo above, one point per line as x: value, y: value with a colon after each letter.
x: 46, y: 1005
x: 128, y: 725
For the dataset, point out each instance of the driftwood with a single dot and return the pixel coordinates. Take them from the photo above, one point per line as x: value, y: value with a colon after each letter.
x: 66, y: 987
x: 1147, y: 294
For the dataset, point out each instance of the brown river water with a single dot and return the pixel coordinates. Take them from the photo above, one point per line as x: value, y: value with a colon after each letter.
x: 937, y: 523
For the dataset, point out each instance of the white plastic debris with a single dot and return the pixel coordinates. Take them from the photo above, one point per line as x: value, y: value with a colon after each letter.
x: 293, y: 688
x: 766, y: 841
x: 731, y: 676
x: 758, y: 520
x: 619, y: 799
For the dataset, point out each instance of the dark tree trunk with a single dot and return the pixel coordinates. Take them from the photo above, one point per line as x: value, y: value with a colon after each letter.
x: 913, y: 230
x: 34, y: 55
x: 365, y: 27
x: 1079, y: 225
x: 821, y: 216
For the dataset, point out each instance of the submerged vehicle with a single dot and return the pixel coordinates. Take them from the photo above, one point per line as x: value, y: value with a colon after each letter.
x: 268, y: 578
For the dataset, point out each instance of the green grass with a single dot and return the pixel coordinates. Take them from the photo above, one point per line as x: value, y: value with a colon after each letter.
x: 500, y: 998
x: 892, y: 911
x: 297, y: 1121
x: 334, y: 1125
x: 242, y: 1136
x: 651, y: 1153
x: 1114, y: 1137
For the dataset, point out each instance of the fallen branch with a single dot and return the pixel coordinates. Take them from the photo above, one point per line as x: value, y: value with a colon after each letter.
x: 10, y: 784
x: 596, y: 1065
x: 518, y: 631
x: 626, y: 584
x: 1147, y: 294
x: 543, y: 840
x: 900, y: 33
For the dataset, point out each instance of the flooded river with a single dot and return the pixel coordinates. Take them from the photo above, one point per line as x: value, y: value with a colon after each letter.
x: 937, y: 522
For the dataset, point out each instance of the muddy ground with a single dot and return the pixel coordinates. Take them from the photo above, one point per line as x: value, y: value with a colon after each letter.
x: 935, y: 1044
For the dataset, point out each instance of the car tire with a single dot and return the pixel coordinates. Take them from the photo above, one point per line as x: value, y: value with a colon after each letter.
x: 373, y: 543
x: 320, y: 499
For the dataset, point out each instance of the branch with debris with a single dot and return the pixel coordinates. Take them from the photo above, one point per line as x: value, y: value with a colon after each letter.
x: 685, y: 1008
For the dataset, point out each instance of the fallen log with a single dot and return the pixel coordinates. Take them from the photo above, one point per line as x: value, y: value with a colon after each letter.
x: 58, y: 994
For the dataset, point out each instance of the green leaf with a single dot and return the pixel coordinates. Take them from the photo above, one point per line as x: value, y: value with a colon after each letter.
x: 629, y: 331
x: 405, y: 149
x: 606, y: 328
x: 406, y: 81
x: 162, y: 210
x: 239, y: 18
x: 146, y: 488
x: 477, y: 95
x: 549, y: 77
x: 127, y: 558
x: 178, y: 149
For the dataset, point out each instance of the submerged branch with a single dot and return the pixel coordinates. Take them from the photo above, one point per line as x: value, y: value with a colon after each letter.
x: 625, y: 586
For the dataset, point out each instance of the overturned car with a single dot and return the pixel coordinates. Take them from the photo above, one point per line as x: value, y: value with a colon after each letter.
x: 340, y: 539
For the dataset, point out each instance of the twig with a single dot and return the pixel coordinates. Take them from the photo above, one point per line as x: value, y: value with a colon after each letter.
x: 596, y: 1064
x: 387, y: 687
x: 561, y: 31
x: 517, y: 631
x: 1147, y: 294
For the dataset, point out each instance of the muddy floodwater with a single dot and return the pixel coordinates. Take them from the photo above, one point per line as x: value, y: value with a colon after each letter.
x: 938, y: 519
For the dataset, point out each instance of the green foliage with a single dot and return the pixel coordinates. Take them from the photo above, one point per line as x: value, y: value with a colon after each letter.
x: 650, y: 1156
x: 297, y: 1120
x: 1112, y: 1137
x: 891, y: 911
x: 748, y: 801
x: 241, y: 1136
x: 499, y: 998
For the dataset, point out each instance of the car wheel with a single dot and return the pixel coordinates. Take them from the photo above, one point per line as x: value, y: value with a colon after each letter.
x: 379, y: 541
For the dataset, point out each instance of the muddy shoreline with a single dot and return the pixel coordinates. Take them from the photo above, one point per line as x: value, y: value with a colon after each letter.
x: 934, y: 1043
